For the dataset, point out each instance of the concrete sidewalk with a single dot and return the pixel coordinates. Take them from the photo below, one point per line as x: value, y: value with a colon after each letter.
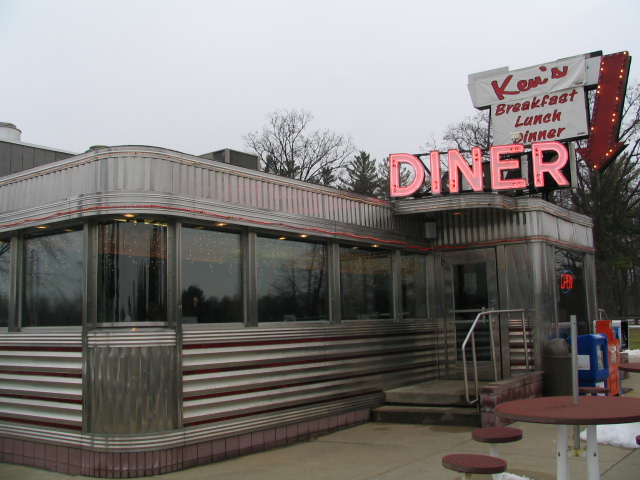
x: 383, y: 451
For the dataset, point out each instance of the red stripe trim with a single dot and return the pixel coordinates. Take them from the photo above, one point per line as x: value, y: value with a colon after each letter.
x: 255, y: 343
x: 277, y: 409
x: 42, y: 424
x: 47, y: 399
x: 284, y: 225
x: 13, y: 348
x: 324, y: 359
x: 308, y: 382
x: 42, y: 374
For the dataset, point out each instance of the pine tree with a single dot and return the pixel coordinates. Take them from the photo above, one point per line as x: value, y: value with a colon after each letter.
x: 361, y: 175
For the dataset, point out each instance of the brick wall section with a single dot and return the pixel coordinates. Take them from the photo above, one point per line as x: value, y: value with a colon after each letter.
x: 492, y: 394
x: 74, y: 461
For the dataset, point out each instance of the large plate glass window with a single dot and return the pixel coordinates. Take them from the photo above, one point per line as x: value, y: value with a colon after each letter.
x: 5, y: 271
x: 132, y: 271
x: 365, y: 283
x: 54, y: 276
x: 211, y: 276
x: 292, y: 280
x: 414, y: 286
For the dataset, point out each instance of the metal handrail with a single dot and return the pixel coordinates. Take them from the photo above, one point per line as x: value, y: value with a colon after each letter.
x: 471, y: 335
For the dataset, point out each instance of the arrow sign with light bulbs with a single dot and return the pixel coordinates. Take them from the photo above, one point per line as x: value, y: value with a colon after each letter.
x: 603, y: 146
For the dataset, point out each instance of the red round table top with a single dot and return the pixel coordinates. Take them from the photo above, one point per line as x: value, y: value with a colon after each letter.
x: 472, y: 463
x: 497, y: 434
x: 561, y: 410
x: 630, y: 367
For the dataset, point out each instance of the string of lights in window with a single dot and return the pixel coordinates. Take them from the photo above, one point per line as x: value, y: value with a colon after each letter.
x: 375, y: 241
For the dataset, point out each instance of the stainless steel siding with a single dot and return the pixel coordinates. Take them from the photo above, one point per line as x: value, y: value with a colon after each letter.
x: 41, y: 379
x: 477, y: 226
x: 134, y: 374
x: 160, y: 173
x: 256, y: 372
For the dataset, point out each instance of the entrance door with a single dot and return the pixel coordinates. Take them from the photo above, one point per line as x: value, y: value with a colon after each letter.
x: 472, y: 277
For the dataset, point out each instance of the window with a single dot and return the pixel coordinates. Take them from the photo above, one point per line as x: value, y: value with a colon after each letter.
x: 570, y: 284
x: 54, y: 276
x: 132, y: 271
x: 365, y: 283
x: 414, y: 286
x: 292, y: 280
x: 5, y: 271
x: 211, y: 276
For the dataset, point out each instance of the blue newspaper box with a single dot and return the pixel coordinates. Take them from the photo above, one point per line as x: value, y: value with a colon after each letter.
x: 593, y: 360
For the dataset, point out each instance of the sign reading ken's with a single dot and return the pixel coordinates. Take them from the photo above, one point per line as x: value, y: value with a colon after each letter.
x: 534, y: 104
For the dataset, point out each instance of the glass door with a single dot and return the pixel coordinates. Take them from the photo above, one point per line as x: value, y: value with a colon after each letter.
x: 474, y: 288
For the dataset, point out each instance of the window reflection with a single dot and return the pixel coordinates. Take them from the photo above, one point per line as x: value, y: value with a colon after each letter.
x: 414, y: 286
x: 132, y: 271
x: 211, y: 279
x: 365, y: 283
x: 4, y: 282
x: 54, y: 276
x: 292, y: 280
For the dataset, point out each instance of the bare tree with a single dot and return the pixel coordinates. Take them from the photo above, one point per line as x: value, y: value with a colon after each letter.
x: 287, y: 148
x: 473, y: 131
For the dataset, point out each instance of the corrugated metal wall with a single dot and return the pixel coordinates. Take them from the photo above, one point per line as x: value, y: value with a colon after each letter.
x: 136, y: 374
x: 15, y: 157
x: 233, y: 381
x: 253, y: 373
x: 156, y: 176
x: 41, y: 379
x: 477, y: 226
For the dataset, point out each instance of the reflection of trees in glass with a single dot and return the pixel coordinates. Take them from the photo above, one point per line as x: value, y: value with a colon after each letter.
x: 53, y: 280
x: 365, y: 283
x: 210, y: 309
x: 414, y: 286
x: 292, y: 281
x: 132, y: 272
x: 573, y: 301
x: 4, y: 282
x: 211, y: 278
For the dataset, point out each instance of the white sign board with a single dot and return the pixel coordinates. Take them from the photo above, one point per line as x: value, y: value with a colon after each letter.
x: 540, y: 103
x: 584, y: 362
x: 553, y: 116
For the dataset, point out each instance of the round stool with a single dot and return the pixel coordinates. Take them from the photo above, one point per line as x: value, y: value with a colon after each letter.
x: 495, y: 436
x: 468, y: 464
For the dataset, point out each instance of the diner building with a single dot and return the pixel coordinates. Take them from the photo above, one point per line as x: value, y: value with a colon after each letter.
x: 160, y: 310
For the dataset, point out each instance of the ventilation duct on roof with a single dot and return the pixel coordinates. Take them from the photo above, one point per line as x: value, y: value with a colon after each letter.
x: 8, y: 131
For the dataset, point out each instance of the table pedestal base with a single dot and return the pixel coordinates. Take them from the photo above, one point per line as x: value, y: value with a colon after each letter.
x: 562, y: 465
x: 593, y: 465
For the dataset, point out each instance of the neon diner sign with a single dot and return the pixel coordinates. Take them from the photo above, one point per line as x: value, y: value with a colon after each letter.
x: 473, y: 173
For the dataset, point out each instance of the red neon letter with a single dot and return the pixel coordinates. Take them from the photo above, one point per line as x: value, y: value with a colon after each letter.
x: 436, y: 184
x: 498, y: 165
x: 473, y: 175
x: 395, y: 159
x: 566, y: 281
x: 552, y: 168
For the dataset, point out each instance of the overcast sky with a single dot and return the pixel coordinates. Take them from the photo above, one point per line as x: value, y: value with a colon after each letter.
x: 195, y: 76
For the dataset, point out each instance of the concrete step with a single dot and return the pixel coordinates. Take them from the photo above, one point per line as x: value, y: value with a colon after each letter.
x: 415, y: 415
x: 433, y: 393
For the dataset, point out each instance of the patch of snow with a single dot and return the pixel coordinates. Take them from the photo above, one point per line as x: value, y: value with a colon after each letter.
x: 622, y: 435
